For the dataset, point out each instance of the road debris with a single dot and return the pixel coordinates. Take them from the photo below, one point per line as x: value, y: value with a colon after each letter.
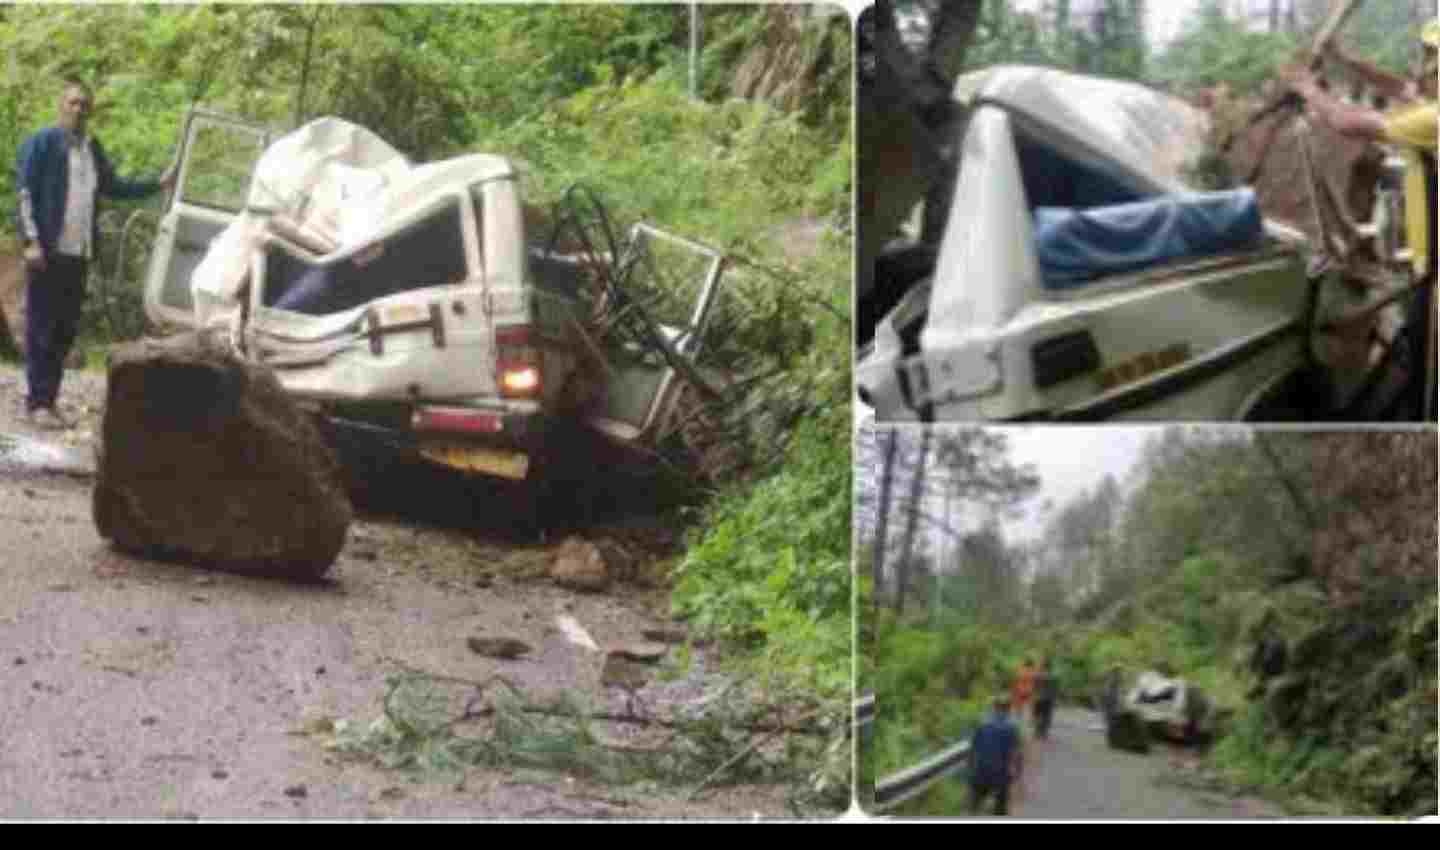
x: 507, y: 649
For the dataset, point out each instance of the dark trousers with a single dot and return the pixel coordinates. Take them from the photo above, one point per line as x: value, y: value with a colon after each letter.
x: 979, y: 791
x: 1044, y: 712
x: 52, y: 317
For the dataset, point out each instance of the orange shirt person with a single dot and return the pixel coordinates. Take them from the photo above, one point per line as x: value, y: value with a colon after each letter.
x: 1024, y: 688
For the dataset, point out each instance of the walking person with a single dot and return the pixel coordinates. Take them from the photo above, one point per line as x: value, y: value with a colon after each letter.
x: 1046, y: 690
x: 60, y: 171
x: 1023, y: 690
x: 995, y: 759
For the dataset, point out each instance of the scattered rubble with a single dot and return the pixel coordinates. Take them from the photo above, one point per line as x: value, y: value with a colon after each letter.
x: 506, y: 649
x: 581, y: 565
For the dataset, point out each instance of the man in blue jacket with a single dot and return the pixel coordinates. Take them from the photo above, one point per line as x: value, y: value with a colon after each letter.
x: 59, y: 173
x: 995, y: 759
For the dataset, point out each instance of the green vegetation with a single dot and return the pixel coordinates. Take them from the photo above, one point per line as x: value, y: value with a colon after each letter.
x: 1290, y: 576
x: 1214, y: 46
x: 441, y: 728
x: 594, y: 95
x: 1111, y: 43
x: 1215, y: 49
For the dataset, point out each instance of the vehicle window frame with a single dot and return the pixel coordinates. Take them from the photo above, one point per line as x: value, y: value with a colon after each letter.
x: 195, y: 124
x: 442, y: 204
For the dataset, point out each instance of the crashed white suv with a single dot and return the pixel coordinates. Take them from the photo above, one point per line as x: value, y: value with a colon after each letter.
x: 1079, y: 278
x: 410, y: 300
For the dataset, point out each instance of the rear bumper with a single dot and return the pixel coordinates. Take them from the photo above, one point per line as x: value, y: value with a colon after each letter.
x: 442, y: 440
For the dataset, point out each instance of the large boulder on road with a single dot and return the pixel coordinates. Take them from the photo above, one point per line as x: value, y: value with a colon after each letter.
x: 203, y: 457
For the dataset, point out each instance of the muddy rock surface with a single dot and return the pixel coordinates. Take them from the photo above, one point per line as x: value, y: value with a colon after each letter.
x: 203, y: 454
x: 138, y: 688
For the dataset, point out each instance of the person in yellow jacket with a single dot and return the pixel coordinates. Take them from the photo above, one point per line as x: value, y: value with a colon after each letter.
x: 1412, y: 125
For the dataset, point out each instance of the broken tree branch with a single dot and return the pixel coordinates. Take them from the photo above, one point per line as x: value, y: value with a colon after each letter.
x: 558, y: 710
x: 735, y: 759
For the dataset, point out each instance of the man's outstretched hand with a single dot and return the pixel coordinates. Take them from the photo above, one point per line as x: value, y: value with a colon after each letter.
x: 35, y: 256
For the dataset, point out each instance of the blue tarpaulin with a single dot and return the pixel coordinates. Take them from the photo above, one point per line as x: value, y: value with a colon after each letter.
x: 1076, y: 246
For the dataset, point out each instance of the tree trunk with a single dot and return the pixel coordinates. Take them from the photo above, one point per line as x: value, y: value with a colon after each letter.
x: 940, y: 562
x: 917, y: 490
x: 305, y: 65
x: 951, y: 37
x: 1296, y: 497
x: 882, y: 516
x: 899, y: 153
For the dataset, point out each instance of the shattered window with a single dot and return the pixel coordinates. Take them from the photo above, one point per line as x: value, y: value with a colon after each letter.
x: 1053, y: 180
x: 430, y: 252
x: 219, y: 163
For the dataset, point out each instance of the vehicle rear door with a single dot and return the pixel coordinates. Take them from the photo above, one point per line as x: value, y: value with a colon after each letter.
x: 667, y: 290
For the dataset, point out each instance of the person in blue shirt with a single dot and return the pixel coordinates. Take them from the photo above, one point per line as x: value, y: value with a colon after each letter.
x: 995, y: 758
x: 60, y: 171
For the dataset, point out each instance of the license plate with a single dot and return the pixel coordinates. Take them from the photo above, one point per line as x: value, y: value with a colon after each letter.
x: 505, y: 464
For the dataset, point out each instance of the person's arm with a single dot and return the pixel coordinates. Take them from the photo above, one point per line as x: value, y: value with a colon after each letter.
x: 27, y: 174
x: 1390, y: 85
x: 1356, y: 122
x: 113, y: 185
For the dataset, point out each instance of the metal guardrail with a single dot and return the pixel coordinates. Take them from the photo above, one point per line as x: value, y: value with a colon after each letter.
x: 912, y: 781
x: 864, y: 713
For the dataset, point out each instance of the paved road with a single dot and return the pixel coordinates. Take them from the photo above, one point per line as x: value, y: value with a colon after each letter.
x: 137, y: 689
x: 1074, y: 775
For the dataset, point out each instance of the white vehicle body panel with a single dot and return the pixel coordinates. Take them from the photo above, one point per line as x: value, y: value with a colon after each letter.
x: 1188, y: 340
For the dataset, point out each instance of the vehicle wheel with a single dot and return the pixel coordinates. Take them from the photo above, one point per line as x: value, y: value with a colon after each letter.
x: 533, y: 506
x: 1293, y: 399
x: 1128, y: 732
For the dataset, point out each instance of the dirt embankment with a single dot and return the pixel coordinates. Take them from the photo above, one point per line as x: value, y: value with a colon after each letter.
x: 12, y: 300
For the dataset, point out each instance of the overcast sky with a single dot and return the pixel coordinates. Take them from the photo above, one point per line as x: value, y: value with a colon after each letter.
x: 1164, y: 18
x: 1071, y: 460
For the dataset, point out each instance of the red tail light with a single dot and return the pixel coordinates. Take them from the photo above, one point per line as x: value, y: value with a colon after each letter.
x: 517, y: 362
x: 456, y: 420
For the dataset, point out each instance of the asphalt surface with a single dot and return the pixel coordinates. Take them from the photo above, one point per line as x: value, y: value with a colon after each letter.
x: 1073, y: 775
x: 138, y: 689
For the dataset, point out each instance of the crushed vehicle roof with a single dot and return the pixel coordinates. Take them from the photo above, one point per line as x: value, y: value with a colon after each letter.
x: 1140, y: 136
x: 364, y: 180
x: 336, y: 185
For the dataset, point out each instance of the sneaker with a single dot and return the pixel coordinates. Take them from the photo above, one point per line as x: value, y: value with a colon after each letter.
x: 49, y: 418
